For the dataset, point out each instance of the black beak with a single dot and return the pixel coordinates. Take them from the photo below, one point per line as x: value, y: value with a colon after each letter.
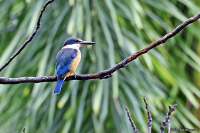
x: 83, y: 43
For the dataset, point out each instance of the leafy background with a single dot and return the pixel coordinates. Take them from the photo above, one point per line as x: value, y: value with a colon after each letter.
x: 166, y: 75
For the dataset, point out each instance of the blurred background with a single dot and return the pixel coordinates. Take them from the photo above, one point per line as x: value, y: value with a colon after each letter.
x: 168, y: 74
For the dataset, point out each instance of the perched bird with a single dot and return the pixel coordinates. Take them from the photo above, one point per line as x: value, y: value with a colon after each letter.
x: 68, y: 59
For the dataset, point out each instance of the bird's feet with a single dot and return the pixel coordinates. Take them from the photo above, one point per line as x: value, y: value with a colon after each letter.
x: 75, y: 75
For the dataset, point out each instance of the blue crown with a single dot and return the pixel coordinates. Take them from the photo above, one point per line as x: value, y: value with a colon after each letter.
x: 72, y: 41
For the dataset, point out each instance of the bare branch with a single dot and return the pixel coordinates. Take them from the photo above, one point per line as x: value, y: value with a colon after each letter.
x: 169, y: 126
x: 171, y: 109
x: 132, y: 123
x: 107, y: 73
x: 167, y: 119
x: 24, y: 130
x: 149, y: 116
x: 30, y: 38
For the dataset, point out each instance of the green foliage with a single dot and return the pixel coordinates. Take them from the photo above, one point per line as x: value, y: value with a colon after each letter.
x: 166, y: 75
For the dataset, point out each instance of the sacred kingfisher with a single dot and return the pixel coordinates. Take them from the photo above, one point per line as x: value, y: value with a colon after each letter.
x: 68, y: 59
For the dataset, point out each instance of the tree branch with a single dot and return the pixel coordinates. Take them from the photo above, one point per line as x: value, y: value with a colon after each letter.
x: 169, y: 126
x: 30, y: 38
x: 167, y: 118
x: 132, y: 123
x: 149, y: 115
x: 107, y: 73
x: 162, y: 127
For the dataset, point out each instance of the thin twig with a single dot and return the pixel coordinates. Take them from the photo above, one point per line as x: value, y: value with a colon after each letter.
x: 106, y: 73
x: 132, y: 123
x: 171, y: 109
x: 149, y: 116
x: 30, y: 38
x: 169, y: 126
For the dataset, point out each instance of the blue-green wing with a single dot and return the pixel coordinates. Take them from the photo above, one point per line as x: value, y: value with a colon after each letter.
x: 64, y: 59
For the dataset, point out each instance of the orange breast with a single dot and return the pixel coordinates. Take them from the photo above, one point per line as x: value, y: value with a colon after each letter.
x: 75, y: 62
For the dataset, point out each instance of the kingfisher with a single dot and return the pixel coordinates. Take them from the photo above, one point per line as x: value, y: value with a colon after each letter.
x: 68, y: 59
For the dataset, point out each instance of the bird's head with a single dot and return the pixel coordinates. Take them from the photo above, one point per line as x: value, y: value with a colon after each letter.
x: 76, y: 43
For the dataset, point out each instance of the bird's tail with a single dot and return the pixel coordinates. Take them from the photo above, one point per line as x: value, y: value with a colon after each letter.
x: 58, y: 86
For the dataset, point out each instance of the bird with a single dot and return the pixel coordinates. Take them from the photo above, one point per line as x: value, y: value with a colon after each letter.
x: 68, y: 59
